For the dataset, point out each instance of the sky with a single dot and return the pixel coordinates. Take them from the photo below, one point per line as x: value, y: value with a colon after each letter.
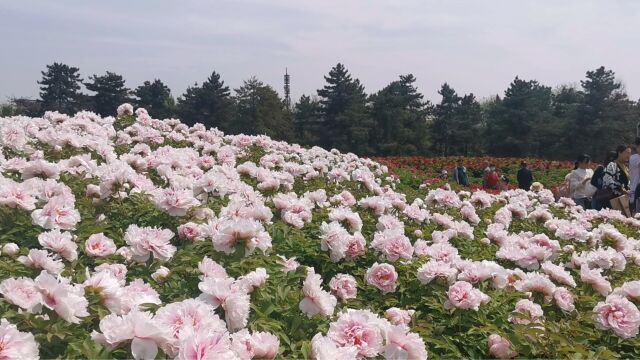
x: 475, y: 46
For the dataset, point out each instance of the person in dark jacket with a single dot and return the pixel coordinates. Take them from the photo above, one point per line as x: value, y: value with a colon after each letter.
x: 597, y: 180
x: 460, y: 174
x: 525, y: 177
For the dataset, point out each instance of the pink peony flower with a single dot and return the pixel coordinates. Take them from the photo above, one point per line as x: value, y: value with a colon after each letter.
x: 462, y: 295
x: 189, y: 314
x: 212, y: 269
x: 316, y: 300
x: 119, y: 271
x: 59, y: 242
x: 125, y: 109
x: 500, y: 347
x: 21, y: 292
x: 595, y: 278
x: 618, y: 314
x: 109, y: 287
x: 288, y: 264
x: 535, y: 282
x: 528, y: 307
x: 253, y: 280
x: 323, y: 348
x: 144, y: 241
x: 361, y: 329
x: 558, y: 273
x: 67, y: 300
x: 42, y: 259
x: 564, y: 299
x: 630, y: 290
x: 160, y: 274
x: 355, y: 245
x: 398, y: 316
x: 344, y: 286
x: 16, y: 344
x: 205, y: 344
x: 383, y: 277
x: 404, y: 345
x: 137, y: 293
x: 190, y: 231
x: 264, y: 345
x: 141, y: 328
x: 335, y: 239
x: 393, y: 244
x: 99, y: 245
x: 14, y: 195
x: 58, y: 213
x: 434, y: 269
x: 176, y: 202
x: 236, y: 311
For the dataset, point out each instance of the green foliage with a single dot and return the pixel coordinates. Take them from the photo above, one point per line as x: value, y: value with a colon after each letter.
x: 156, y: 98
x: 110, y: 92
x: 260, y: 111
x: 346, y: 124
x: 59, y: 88
x: 209, y: 104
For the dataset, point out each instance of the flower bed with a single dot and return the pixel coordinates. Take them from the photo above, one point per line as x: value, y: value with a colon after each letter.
x: 144, y: 238
x: 415, y: 170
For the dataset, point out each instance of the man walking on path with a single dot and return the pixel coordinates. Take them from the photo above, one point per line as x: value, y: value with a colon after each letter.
x: 525, y: 177
x: 460, y: 174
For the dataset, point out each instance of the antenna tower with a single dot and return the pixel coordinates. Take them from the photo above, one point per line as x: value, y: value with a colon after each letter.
x: 287, y: 89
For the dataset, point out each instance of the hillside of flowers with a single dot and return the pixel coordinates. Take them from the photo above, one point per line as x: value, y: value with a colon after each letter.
x: 417, y: 170
x: 133, y: 237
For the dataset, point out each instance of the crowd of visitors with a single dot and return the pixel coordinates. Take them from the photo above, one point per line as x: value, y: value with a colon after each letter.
x: 613, y: 184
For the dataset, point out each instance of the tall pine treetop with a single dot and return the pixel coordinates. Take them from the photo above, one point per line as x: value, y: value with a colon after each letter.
x: 59, y: 88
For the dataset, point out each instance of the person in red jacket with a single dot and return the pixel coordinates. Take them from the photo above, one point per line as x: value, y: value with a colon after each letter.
x: 493, y: 179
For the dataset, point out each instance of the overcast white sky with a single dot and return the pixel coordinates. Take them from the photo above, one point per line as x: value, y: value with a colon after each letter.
x: 476, y: 46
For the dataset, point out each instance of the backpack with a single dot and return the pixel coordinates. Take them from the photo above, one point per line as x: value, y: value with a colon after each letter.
x: 597, y: 180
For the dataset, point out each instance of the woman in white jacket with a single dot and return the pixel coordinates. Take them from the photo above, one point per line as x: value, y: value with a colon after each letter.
x: 580, y: 182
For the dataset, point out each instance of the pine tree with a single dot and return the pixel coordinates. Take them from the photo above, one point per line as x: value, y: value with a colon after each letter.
x: 59, y: 88
x: 261, y: 111
x: 209, y: 104
x: 607, y: 117
x: 156, y: 98
x: 110, y: 92
x: 308, y: 120
x: 347, y: 125
x: 400, y: 117
x: 443, y: 125
x: 525, y: 106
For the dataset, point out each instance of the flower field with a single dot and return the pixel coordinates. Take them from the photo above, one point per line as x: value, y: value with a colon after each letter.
x: 134, y: 237
x: 416, y: 170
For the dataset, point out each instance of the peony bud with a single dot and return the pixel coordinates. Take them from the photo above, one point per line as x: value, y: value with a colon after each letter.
x: 160, y: 274
x: 10, y: 249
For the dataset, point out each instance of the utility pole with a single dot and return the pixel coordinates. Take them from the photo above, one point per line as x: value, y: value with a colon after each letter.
x: 287, y: 89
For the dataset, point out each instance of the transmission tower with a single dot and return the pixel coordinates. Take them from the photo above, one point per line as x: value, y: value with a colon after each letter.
x: 287, y: 89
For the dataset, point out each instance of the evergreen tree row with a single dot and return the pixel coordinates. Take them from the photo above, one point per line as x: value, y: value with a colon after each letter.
x: 529, y: 119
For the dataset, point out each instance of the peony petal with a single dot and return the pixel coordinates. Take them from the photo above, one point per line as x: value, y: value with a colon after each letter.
x: 145, y: 349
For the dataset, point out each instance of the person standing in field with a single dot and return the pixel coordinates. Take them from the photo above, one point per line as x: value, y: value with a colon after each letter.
x: 634, y: 173
x: 616, y: 174
x: 580, y: 182
x: 597, y: 180
x: 485, y: 174
x: 460, y: 174
x: 525, y: 177
x: 493, y: 180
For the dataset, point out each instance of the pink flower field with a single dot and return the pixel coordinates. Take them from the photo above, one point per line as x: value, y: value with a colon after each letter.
x: 134, y: 237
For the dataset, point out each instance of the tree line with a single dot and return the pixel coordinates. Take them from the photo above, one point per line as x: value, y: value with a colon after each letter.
x: 528, y: 119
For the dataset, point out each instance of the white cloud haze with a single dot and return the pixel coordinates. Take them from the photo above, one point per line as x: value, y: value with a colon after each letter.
x: 476, y: 46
